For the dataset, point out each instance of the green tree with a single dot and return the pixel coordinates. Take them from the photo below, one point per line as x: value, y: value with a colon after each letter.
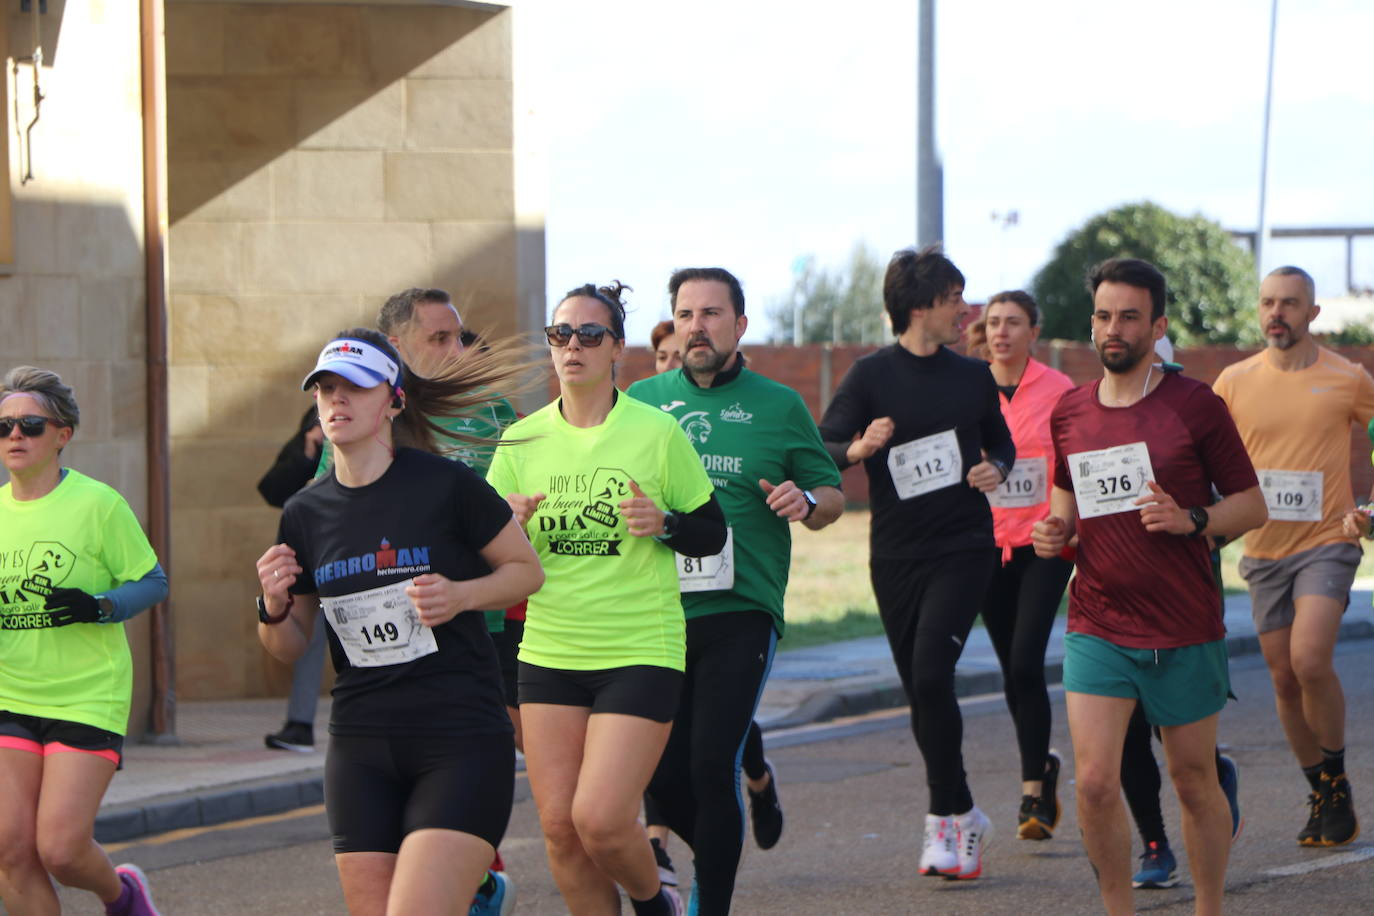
x: 843, y: 305
x: 1212, y: 286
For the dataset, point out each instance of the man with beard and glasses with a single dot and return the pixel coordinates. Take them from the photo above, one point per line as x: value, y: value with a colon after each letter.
x: 1137, y: 455
x: 1293, y: 403
x: 761, y: 449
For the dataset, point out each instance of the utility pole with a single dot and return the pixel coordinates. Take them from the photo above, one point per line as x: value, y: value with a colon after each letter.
x: 930, y: 179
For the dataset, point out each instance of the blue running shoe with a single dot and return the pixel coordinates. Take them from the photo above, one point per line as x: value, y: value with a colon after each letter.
x: 496, y: 898
x: 1158, y: 868
x: 1229, y: 776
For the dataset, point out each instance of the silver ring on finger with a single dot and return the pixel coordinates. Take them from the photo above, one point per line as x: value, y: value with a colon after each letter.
x: 276, y: 573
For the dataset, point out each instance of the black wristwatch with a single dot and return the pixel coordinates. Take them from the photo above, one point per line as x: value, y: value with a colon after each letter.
x: 106, y: 609
x: 810, y: 504
x: 1001, y: 468
x: 670, y: 523
x: 264, y: 617
x: 1199, y: 518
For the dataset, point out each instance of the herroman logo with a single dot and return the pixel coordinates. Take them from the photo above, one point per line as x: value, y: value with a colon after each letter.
x: 696, y: 426
x: 736, y: 414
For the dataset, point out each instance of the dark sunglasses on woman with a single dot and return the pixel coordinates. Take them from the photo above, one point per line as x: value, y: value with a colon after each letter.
x: 30, y: 426
x: 588, y: 335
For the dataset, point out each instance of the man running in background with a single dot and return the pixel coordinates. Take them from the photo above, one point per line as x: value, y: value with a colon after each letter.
x: 1293, y: 403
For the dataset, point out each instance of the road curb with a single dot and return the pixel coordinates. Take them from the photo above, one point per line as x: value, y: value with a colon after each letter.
x: 275, y: 795
x: 207, y: 807
x: 827, y: 705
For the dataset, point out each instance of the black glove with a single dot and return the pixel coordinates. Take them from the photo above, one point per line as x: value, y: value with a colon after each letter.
x: 71, y: 605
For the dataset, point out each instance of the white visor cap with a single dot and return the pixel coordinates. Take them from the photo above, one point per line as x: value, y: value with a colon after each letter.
x: 356, y: 360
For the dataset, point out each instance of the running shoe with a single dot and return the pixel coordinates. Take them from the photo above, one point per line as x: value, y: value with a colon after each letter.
x: 766, y: 811
x: 1311, y: 835
x: 666, y: 873
x: 496, y: 897
x: 1158, y: 868
x: 974, y: 833
x: 1040, y: 814
x: 938, y: 857
x: 666, y: 901
x: 1229, y: 777
x: 1339, y: 825
x: 294, y: 736
x: 140, y: 898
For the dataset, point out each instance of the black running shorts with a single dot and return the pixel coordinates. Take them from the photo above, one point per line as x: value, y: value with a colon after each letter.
x: 379, y: 789
x: 646, y: 691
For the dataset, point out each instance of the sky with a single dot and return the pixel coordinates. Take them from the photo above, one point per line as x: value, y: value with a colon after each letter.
x: 750, y: 133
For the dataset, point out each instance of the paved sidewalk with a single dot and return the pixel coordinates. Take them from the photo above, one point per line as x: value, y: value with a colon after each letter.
x: 220, y: 770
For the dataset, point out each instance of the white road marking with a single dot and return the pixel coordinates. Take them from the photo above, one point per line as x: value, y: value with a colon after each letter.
x: 1336, y: 861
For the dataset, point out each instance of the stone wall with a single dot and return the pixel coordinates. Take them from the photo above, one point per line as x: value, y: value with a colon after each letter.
x: 72, y: 300
x: 321, y: 157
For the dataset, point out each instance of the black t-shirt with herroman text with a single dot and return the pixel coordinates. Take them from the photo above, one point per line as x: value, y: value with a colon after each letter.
x: 424, y: 514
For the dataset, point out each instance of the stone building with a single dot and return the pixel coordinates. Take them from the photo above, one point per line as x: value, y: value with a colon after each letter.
x: 206, y: 192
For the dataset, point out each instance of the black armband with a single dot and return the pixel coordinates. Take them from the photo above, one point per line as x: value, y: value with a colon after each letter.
x: 698, y: 533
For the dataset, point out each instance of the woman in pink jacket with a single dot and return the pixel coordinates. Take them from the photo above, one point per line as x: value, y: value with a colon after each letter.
x: 1025, y: 592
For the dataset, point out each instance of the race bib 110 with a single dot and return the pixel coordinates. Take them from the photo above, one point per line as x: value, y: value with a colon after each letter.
x: 1025, y: 486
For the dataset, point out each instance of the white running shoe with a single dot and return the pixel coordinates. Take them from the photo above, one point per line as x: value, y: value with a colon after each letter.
x: 974, y: 833
x: 938, y: 857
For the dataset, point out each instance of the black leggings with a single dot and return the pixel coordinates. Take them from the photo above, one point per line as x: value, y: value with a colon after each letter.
x: 755, y: 766
x: 696, y: 785
x: 1019, y: 612
x: 928, y: 607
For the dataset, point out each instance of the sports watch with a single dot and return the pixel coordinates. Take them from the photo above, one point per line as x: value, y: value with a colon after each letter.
x: 810, y: 504
x: 1199, y: 518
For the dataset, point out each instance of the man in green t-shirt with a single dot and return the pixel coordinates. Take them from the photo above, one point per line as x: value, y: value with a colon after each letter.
x: 765, y: 458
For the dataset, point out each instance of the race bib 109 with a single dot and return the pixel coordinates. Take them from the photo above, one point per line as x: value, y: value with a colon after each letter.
x: 1292, y: 496
x: 1110, y: 480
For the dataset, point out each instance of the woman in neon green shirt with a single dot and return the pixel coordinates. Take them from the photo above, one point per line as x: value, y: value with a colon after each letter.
x: 602, y: 657
x: 74, y: 564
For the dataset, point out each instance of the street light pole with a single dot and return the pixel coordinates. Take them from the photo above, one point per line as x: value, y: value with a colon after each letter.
x: 930, y: 204
x: 1262, y: 230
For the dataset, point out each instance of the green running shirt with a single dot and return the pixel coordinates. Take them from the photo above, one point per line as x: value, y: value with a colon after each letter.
x: 748, y: 428
x: 609, y: 599
x: 81, y: 535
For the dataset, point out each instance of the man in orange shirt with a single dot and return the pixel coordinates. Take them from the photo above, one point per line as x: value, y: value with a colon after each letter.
x: 1293, y: 403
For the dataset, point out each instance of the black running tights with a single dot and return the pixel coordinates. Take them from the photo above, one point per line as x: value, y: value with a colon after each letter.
x: 928, y: 607
x: 697, y: 783
x: 1019, y: 612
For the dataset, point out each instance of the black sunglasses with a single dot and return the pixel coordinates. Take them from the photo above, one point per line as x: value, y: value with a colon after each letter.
x: 589, y: 335
x: 31, y: 426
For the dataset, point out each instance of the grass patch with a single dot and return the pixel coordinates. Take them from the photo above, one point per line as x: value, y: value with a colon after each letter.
x: 852, y: 624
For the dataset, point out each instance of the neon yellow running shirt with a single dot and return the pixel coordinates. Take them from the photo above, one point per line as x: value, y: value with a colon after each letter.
x: 610, y: 599
x: 81, y: 535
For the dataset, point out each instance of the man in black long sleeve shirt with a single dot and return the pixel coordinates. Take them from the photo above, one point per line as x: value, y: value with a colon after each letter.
x: 927, y: 424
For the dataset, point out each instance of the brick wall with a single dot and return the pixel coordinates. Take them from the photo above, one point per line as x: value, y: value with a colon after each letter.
x: 816, y: 370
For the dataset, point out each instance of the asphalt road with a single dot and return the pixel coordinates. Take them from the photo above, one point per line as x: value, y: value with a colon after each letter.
x: 854, y: 798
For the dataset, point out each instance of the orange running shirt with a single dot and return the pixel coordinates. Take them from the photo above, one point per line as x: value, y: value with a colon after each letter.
x: 1298, y: 421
